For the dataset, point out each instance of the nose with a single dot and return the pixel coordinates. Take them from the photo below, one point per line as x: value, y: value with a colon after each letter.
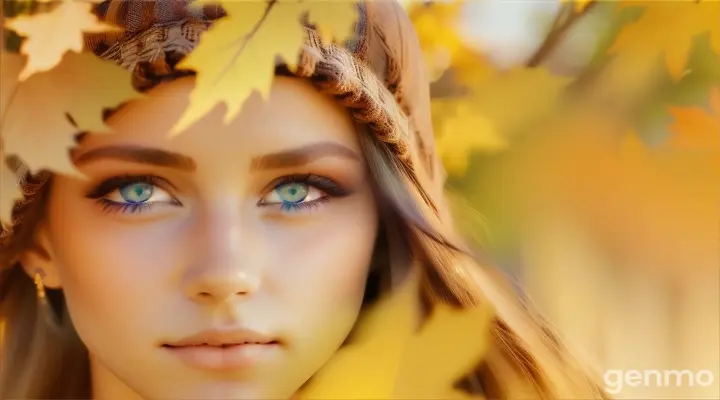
x: 227, y: 263
x: 220, y: 287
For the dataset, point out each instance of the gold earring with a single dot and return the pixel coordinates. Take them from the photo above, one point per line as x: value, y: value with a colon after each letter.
x: 40, y: 285
x: 44, y: 306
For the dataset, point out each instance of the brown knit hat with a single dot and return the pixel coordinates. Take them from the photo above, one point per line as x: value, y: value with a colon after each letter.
x: 379, y: 75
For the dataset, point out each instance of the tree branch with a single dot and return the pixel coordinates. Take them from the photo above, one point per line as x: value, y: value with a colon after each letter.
x: 564, y: 20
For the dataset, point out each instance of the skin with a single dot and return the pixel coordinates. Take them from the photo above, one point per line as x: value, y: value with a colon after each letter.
x: 216, y: 258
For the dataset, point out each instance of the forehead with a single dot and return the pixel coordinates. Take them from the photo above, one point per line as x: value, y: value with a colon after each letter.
x: 294, y: 114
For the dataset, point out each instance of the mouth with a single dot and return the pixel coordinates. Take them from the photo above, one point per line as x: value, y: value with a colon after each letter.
x: 224, y: 350
x: 219, y: 345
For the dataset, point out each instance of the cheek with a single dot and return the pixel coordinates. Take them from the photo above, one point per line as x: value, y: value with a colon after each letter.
x: 332, y: 257
x: 327, y: 261
x: 108, y: 271
x: 320, y: 272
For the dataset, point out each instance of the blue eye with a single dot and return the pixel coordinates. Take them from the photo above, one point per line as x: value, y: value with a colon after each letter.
x: 138, y: 192
x: 297, y: 192
x: 132, y: 193
x: 293, y: 192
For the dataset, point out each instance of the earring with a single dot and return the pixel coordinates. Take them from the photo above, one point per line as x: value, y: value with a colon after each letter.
x: 46, y: 308
x: 40, y: 285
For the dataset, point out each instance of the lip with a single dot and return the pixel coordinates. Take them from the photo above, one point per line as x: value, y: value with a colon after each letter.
x: 223, y: 350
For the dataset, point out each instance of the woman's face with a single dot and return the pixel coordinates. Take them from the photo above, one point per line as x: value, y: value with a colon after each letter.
x: 178, y: 255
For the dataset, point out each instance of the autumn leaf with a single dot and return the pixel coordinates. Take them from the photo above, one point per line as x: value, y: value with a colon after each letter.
x: 334, y: 19
x: 512, y: 99
x: 237, y: 56
x: 495, y: 108
x: 435, y: 26
x: 665, y: 29
x: 695, y: 128
x: 464, y: 133
x: 374, y: 353
x: 448, y: 347
x: 35, y: 124
x: 10, y: 66
x: 52, y: 34
x: 443, y: 45
x: 388, y: 360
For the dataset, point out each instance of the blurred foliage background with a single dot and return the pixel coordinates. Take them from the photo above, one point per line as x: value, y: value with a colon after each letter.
x: 582, y: 143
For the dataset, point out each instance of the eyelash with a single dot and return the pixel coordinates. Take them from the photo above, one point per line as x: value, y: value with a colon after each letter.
x: 326, y: 185
x: 108, y: 186
x: 329, y: 187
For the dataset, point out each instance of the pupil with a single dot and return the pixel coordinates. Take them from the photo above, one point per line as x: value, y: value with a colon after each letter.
x: 136, y: 193
x: 293, y: 192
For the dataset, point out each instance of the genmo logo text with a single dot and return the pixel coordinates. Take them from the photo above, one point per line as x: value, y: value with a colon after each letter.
x: 617, y: 379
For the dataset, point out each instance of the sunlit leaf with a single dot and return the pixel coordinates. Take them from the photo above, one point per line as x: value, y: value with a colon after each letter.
x: 666, y: 29
x: 389, y: 360
x: 464, y: 133
x: 50, y: 35
x: 374, y: 355
x: 482, y: 120
x: 237, y: 56
x: 76, y: 90
x: 334, y: 19
x: 448, y: 347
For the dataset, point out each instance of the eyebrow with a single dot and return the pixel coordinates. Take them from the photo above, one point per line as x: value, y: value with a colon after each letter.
x: 163, y: 158
x: 137, y: 154
x: 303, y: 155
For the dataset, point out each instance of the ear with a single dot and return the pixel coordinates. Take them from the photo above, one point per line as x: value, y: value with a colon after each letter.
x: 40, y: 259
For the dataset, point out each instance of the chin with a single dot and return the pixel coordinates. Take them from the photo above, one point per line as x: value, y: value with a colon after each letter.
x: 221, y: 390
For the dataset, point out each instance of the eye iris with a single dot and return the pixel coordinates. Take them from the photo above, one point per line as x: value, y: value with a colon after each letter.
x: 136, y: 192
x: 293, y: 192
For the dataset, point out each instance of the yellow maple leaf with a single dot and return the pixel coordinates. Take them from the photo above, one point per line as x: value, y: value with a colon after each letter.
x: 515, y: 98
x: 232, y: 60
x: 696, y: 128
x: 237, y: 56
x: 665, y: 29
x: 439, y: 39
x: 494, y: 109
x: 448, y: 347
x: 80, y: 87
x: 10, y: 66
x: 443, y: 45
x: 334, y: 19
x: 374, y: 353
x: 464, y: 133
x: 50, y: 35
x: 389, y: 360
